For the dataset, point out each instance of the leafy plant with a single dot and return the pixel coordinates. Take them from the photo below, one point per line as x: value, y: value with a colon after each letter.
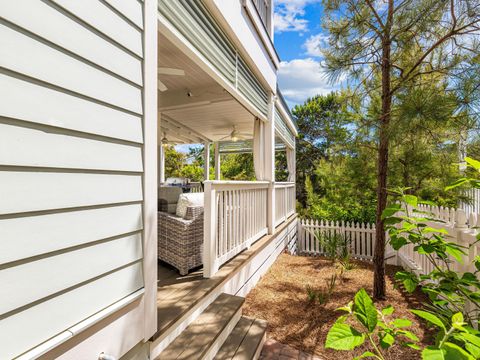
x: 455, y: 342
x: 471, y: 181
x: 346, y: 263
x: 311, y: 293
x: 371, y: 325
x: 325, y: 293
x: 334, y: 244
x: 449, y: 290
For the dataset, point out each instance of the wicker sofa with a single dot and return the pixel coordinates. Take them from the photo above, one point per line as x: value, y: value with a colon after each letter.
x: 180, y: 240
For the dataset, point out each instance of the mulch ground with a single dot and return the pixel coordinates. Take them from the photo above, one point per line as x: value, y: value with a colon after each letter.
x: 281, y: 299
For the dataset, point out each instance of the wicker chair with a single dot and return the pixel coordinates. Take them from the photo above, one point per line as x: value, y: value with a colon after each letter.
x: 180, y: 240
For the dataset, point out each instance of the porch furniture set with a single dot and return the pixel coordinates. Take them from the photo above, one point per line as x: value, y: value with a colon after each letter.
x: 180, y: 228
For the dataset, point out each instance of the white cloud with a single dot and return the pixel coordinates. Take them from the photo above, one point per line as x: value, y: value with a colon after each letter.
x: 315, y: 43
x: 289, y: 15
x: 300, y: 79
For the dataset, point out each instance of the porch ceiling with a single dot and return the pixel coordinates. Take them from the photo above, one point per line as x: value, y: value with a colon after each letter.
x: 196, y: 102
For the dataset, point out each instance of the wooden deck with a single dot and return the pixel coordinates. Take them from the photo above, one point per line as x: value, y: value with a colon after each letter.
x: 176, y: 295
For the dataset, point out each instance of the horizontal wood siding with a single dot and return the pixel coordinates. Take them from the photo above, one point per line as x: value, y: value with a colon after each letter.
x: 38, y: 103
x: 71, y: 164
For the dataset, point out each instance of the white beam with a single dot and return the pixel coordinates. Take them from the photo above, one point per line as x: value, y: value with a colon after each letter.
x: 217, y: 161
x: 185, y: 130
x: 206, y: 160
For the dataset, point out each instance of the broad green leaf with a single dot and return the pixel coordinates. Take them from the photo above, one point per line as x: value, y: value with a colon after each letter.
x: 409, y: 285
x: 397, y: 242
x: 347, y: 308
x: 392, y: 220
x: 430, y: 353
x: 399, y: 323
x: 428, y: 230
x: 390, y: 210
x: 475, y: 340
x: 455, y: 252
x: 430, y: 318
x: 413, y: 346
x: 365, y: 310
x: 473, y: 350
x: 457, y: 318
x: 411, y: 200
x: 408, y: 335
x: 388, y: 310
x: 366, y: 354
x: 386, y: 341
x: 343, y: 337
x: 408, y: 280
x: 457, y: 183
x: 473, y: 163
x: 455, y: 352
x: 476, y: 261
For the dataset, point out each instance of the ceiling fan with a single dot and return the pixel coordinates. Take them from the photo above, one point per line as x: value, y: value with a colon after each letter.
x: 235, y: 135
x: 167, y: 71
x: 165, y: 140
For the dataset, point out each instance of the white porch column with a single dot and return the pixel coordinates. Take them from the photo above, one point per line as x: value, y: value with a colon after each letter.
x: 161, y: 164
x: 210, y: 265
x: 269, y: 163
x: 217, y: 161
x: 206, y: 161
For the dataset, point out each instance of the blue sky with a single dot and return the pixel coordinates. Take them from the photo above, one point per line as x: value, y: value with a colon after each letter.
x: 298, y: 39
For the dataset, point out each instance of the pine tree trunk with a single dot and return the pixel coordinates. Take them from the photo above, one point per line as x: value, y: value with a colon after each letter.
x: 379, y: 289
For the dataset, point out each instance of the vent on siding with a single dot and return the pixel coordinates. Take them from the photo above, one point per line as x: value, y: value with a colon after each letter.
x: 197, y: 25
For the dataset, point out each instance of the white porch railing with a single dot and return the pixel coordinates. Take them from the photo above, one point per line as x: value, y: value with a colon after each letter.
x: 235, y: 217
x: 284, y: 201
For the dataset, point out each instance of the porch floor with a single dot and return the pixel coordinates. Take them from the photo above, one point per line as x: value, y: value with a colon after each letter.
x: 176, y: 294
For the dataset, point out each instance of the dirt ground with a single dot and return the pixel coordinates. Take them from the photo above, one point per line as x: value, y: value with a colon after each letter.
x: 281, y: 299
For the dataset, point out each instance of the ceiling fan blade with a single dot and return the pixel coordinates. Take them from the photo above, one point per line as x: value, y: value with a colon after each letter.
x: 170, y: 71
x: 223, y: 138
x: 161, y: 86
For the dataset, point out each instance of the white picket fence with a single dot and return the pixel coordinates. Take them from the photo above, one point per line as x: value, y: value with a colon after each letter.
x: 360, y: 237
x: 462, y: 230
x: 474, y: 205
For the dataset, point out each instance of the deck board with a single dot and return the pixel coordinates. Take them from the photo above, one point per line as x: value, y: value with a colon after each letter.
x: 176, y: 294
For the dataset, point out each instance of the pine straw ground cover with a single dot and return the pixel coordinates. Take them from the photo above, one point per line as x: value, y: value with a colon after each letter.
x: 281, y: 299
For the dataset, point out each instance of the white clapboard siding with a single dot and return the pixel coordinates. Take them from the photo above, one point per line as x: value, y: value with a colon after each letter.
x: 28, y: 328
x: 47, y: 22
x: 47, y: 147
x: 27, y: 101
x: 24, y: 237
x: 23, y: 191
x: 100, y: 17
x: 71, y: 167
x: 40, y: 61
x: 132, y: 10
x: 34, y: 280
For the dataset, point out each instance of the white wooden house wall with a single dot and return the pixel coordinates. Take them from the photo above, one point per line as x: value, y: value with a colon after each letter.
x: 72, y: 166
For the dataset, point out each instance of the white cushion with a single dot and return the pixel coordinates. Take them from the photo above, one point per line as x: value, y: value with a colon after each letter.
x: 187, y: 200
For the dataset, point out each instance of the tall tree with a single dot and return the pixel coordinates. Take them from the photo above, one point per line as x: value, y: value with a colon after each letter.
x: 322, y: 127
x: 386, y: 46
